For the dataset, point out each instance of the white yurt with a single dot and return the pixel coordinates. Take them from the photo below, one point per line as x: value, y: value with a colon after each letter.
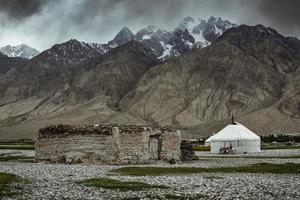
x: 238, y: 136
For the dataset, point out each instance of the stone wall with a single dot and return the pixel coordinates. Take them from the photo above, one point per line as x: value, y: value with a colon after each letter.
x: 134, y: 148
x: 170, y: 147
x: 89, y: 148
x: 106, y: 144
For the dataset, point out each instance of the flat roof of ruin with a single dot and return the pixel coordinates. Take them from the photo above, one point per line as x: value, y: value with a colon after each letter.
x: 98, y: 129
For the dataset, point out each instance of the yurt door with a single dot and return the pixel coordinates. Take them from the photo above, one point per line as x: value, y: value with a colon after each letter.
x: 153, y: 148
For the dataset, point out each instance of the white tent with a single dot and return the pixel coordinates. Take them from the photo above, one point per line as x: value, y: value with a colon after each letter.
x: 241, y: 138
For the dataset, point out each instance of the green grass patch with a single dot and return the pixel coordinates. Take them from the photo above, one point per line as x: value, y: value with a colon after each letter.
x: 18, y: 146
x: 201, y: 148
x: 108, y: 183
x: 271, y: 147
x: 5, y: 181
x: 287, y: 168
x: 263, y: 147
x: 19, y: 141
x: 251, y: 157
x: 16, y: 158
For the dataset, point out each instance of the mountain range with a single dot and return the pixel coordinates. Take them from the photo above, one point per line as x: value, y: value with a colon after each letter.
x: 251, y: 72
x: 22, y: 51
x: 190, y: 33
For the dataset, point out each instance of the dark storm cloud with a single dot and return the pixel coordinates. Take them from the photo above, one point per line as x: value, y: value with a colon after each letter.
x: 283, y: 13
x: 19, y: 9
x: 130, y: 9
x: 42, y: 23
x: 168, y: 9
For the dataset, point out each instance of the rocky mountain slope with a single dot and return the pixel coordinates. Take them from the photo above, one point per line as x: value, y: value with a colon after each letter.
x: 22, y: 50
x: 251, y: 72
x: 66, y: 84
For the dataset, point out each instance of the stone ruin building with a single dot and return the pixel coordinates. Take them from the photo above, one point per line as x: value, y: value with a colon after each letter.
x: 107, y: 144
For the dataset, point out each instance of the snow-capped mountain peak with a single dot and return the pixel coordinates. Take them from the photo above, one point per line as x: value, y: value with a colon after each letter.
x: 22, y: 50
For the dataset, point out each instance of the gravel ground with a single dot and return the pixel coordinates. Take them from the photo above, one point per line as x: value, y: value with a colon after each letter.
x: 263, y: 153
x: 58, y: 181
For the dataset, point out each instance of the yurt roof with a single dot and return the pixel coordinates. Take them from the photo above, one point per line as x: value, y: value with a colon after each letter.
x: 234, y: 132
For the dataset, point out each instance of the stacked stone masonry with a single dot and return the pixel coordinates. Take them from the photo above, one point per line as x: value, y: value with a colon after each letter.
x: 107, y: 144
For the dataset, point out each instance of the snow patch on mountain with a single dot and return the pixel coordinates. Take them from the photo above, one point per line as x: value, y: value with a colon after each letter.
x: 167, y: 50
x: 146, y: 37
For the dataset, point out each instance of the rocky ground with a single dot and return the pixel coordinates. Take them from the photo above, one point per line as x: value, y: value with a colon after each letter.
x: 58, y: 181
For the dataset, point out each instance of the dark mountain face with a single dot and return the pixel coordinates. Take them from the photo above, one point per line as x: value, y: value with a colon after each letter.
x: 265, y: 44
x: 71, y: 52
x: 6, y: 63
x: 245, y: 70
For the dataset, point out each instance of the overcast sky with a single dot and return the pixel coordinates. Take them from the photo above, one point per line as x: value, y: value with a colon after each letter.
x: 42, y: 23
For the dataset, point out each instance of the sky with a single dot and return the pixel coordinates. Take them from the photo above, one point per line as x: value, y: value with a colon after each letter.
x: 43, y: 23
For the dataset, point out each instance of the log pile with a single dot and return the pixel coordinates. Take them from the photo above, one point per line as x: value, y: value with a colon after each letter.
x: 167, y: 129
x: 140, y: 128
x: 133, y: 128
x: 98, y: 129
x: 62, y: 129
x: 187, y: 153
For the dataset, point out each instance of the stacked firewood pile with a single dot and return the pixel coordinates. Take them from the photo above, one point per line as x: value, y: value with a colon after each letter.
x: 100, y: 129
x: 133, y: 128
x: 167, y: 129
x: 69, y: 129
x: 187, y: 153
x: 140, y: 128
